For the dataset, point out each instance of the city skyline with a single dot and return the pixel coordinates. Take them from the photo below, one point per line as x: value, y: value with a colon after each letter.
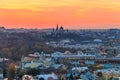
x: 71, y: 14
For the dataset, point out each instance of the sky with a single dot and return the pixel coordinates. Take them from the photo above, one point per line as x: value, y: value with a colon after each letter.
x: 71, y: 14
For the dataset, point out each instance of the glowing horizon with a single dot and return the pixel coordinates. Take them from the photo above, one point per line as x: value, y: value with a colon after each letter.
x: 73, y: 14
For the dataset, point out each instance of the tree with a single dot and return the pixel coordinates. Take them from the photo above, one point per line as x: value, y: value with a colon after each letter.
x: 41, y: 79
x: 71, y: 77
x: 12, y: 71
x: 33, y: 71
x: 20, y: 73
x: 4, y: 73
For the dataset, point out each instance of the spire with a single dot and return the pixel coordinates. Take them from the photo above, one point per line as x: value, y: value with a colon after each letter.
x: 61, y: 28
x: 57, y: 28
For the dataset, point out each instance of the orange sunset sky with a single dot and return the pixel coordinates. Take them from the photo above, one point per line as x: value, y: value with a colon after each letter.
x: 72, y: 14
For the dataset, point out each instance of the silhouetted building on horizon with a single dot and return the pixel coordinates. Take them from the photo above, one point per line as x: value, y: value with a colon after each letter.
x: 59, y: 30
